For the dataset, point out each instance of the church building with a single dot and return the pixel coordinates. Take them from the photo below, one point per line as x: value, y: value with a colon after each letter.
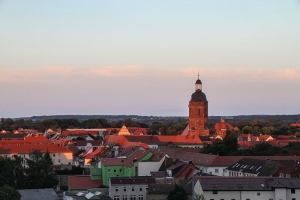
x: 198, y: 112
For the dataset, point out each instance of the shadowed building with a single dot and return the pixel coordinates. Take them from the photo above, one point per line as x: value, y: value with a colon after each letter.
x: 198, y: 111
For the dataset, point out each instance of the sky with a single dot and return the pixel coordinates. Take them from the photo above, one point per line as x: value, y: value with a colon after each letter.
x: 143, y: 57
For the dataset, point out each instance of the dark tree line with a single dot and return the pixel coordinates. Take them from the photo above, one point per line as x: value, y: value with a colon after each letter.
x: 38, y: 173
x: 168, y: 126
x: 229, y: 147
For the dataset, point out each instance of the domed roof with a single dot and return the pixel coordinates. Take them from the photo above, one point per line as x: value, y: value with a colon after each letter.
x: 198, y: 81
x: 198, y: 96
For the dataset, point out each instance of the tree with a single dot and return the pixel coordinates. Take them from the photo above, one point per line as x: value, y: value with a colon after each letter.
x: 178, y: 193
x: 39, y: 172
x: 8, y: 193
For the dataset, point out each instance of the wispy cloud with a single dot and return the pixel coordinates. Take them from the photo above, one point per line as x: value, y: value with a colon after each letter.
x: 59, y: 72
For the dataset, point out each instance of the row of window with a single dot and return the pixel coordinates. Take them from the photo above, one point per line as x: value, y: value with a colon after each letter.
x: 131, y: 197
x: 217, y: 171
x: 125, y: 189
x: 115, y: 171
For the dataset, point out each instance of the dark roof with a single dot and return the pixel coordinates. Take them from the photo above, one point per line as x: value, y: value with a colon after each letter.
x: 83, y: 182
x: 12, y: 136
x: 138, y: 180
x: 246, y: 183
x: 167, y: 187
x: 46, y: 194
x: 198, y: 96
x: 198, y: 81
x: 255, y: 166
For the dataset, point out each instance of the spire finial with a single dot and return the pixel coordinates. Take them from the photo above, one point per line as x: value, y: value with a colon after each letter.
x: 198, y: 74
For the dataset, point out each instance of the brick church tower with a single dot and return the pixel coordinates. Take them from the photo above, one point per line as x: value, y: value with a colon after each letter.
x: 198, y: 111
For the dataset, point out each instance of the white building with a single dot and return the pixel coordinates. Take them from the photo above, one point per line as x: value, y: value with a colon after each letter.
x: 248, y: 188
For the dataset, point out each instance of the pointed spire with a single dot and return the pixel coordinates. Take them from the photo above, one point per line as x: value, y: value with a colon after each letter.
x: 198, y: 74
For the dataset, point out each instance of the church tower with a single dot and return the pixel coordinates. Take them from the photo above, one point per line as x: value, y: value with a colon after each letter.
x: 198, y: 111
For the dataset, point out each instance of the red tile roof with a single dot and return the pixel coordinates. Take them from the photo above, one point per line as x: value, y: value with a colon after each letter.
x: 27, y: 148
x: 164, y: 139
x: 115, y: 139
x: 36, y: 139
x: 83, y: 183
x: 127, y: 144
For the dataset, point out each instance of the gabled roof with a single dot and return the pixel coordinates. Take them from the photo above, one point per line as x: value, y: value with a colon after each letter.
x: 127, y: 144
x: 123, y: 131
x: 83, y: 183
x: 115, y: 139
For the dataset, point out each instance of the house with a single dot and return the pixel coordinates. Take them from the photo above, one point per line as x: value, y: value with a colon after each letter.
x: 247, y: 188
x: 222, y: 127
x: 122, y: 167
x: 60, y: 155
x: 130, y: 187
x: 213, y: 164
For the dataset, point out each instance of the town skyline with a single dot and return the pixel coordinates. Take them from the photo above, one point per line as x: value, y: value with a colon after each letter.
x: 143, y: 58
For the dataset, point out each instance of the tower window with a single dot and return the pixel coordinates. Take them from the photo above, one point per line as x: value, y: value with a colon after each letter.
x: 199, y: 112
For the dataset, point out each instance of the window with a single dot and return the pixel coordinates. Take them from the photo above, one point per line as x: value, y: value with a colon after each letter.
x: 54, y: 155
x: 120, y: 170
x: 224, y: 170
x: 116, y: 198
x: 58, y: 160
x: 216, y: 170
x: 108, y: 171
x: 58, y: 154
x: 125, y: 189
x: 215, y: 192
x: 141, y: 188
x: 293, y: 198
x: 293, y: 190
x: 117, y: 189
x: 53, y: 160
x: 124, y: 197
x: 258, y: 194
x: 115, y: 170
x: 141, y: 197
x: 132, y: 197
x: 247, y: 199
x: 132, y: 188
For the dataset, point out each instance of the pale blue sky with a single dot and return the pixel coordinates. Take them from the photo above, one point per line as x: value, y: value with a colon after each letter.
x: 236, y: 45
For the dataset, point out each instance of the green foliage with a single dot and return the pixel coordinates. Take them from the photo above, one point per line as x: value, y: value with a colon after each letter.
x: 178, y: 193
x: 223, y: 147
x: 11, y: 172
x: 39, y: 171
x: 9, y: 193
